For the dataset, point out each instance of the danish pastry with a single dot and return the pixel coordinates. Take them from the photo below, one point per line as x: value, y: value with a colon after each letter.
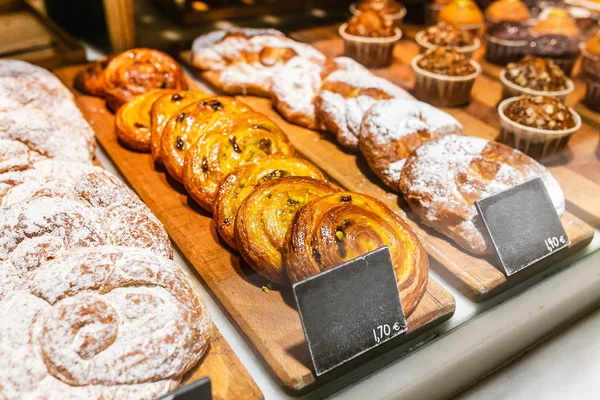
x: 138, y: 71
x: 90, y: 80
x: 264, y: 218
x: 341, y: 226
x: 133, y: 123
x: 444, y: 177
x: 226, y: 147
x: 392, y: 129
x: 185, y: 127
x: 346, y: 96
x: 163, y: 109
x: 83, y: 325
x: 240, y: 183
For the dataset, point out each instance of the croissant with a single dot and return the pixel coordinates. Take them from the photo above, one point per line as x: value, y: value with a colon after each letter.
x: 133, y: 123
x: 240, y: 183
x: 336, y: 228
x: 137, y: 71
x: 228, y: 145
x: 188, y: 125
x: 90, y: 80
x: 265, y: 217
x: 163, y: 109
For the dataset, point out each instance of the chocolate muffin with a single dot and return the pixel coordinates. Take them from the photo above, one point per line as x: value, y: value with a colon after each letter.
x: 506, y: 42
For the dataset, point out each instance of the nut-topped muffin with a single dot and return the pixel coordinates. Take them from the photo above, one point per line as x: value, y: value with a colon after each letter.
x: 444, y: 77
x: 535, y: 76
x: 590, y: 66
x: 369, y: 38
x: 463, y: 13
x: 391, y: 10
x: 537, y: 125
x: 449, y: 36
x: 506, y: 42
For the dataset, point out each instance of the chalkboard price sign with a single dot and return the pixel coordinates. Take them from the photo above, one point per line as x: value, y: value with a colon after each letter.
x: 350, y: 309
x: 198, y: 390
x: 523, y: 225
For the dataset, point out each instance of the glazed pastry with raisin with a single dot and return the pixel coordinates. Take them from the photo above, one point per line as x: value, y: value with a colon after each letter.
x: 90, y: 80
x: 265, y: 217
x: 339, y: 227
x: 229, y: 142
x: 239, y: 184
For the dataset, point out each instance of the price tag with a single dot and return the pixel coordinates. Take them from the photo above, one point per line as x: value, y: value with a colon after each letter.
x: 198, y: 390
x: 350, y: 309
x: 523, y: 225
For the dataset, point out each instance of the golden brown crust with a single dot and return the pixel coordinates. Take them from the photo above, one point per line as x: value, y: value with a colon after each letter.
x: 163, y: 109
x: 238, y: 185
x: 227, y: 144
x: 137, y: 71
x: 265, y: 217
x: 90, y: 80
x: 185, y: 127
x: 133, y: 123
x: 339, y: 227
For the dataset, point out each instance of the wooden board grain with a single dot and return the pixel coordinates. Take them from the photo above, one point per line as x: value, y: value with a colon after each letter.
x: 268, y: 319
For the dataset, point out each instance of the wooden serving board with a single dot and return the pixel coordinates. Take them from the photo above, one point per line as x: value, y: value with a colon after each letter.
x: 477, y: 277
x: 268, y: 318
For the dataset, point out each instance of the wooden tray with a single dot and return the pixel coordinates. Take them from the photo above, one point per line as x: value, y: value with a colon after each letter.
x: 267, y: 318
x: 477, y: 277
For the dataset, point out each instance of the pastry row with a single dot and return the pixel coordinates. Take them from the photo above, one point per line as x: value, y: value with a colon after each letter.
x: 87, y: 285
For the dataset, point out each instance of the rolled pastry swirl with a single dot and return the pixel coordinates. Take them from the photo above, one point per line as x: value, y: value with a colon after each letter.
x: 240, y: 183
x: 188, y: 125
x: 228, y: 145
x: 264, y: 218
x: 90, y: 80
x: 337, y: 228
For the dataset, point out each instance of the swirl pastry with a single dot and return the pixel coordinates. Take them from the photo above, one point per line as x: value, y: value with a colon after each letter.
x: 133, y: 123
x: 184, y: 128
x: 101, y: 323
x: 240, y: 183
x: 163, y: 109
x: 264, y: 218
x: 90, y: 80
x: 392, y: 129
x: 246, y: 138
x: 138, y: 71
x: 339, y: 227
x: 444, y: 177
x: 346, y: 96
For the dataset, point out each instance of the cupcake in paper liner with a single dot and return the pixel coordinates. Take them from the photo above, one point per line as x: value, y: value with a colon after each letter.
x: 464, y: 14
x: 538, y: 126
x: 389, y: 9
x: 506, y: 42
x: 448, y: 36
x: 590, y: 67
x: 444, y: 77
x: 370, y: 39
x: 535, y: 76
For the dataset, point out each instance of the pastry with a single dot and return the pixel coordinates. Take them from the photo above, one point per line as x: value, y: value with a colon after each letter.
x: 392, y: 129
x: 133, y: 122
x: 590, y: 66
x: 444, y: 77
x: 506, y: 42
x: 444, y: 177
x: 507, y: 11
x: 163, y: 110
x: 226, y: 146
x: 463, y: 13
x: 29, y: 73
x: 535, y: 76
x: 100, y: 323
x: 537, y: 125
x: 296, y: 85
x: 90, y: 80
x: 264, y: 218
x: 369, y: 38
x: 239, y: 184
x: 186, y: 126
x: 138, y: 71
x: 16, y: 156
x: 339, y: 227
x: 449, y: 36
x: 390, y: 9
x: 344, y: 98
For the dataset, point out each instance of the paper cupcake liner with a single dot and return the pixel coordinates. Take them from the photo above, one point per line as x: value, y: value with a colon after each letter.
x: 510, y: 89
x: 443, y: 91
x: 432, y: 11
x: 502, y: 52
x: 467, y: 51
x: 370, y: 52
x: 536, y: 143
x: 592, y: 93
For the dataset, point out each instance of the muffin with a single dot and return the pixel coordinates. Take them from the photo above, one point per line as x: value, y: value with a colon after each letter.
x: 448, y: 36
x: 463, y: 13
x: 506, y: 42
x: 369, y: 39
x: 590, y: 67
x: 537, y: 77
x: 444, y: 77
x: 507, y: 11
x: 537, y: 125
x: 389, y: 9
x: 587, y: 21
x: 432, y: 11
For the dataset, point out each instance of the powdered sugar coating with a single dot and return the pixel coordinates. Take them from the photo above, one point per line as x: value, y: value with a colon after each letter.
x: 24, y: 70
x: 444, y: 177
x: 16, y: 156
